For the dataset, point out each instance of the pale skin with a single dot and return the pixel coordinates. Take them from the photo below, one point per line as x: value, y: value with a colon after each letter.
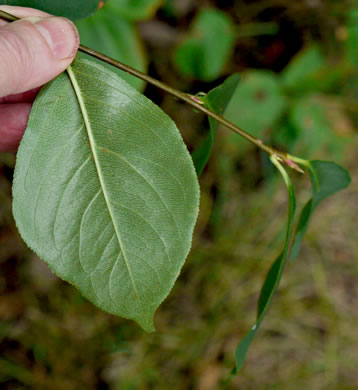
x: 32, y: 52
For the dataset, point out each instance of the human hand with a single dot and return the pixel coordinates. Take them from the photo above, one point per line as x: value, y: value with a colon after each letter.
x: 32, y: 52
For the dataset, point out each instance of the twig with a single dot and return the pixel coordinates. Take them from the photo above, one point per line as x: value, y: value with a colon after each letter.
x: 191, y: 100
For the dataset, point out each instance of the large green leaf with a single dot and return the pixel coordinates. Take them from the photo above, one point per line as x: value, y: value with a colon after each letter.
x: 135, y: 9
x: 72, y: 9
x: 327, y: 178
x: 216, y: 100
x: 204, y: 52
x: 98, y: 194
x: 273, y: 277
x: 109, y: 33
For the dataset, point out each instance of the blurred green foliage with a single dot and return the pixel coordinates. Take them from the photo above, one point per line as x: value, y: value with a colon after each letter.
x: 259, y: 89
x: 109, y: 32
x: 135, y: 9
x: 73, y: 10
x: 205, y: 50
x: 299, y: 72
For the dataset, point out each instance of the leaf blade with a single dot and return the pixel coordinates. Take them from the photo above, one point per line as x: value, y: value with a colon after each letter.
x: 118, y: 169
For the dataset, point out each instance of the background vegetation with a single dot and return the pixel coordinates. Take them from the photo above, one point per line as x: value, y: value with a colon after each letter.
x: 298, y: 62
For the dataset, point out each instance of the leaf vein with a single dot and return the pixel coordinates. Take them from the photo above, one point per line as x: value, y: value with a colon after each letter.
x: 151, y: 226
x: 134, y: 119
x: 149, y: 266
x: 81, y: 103
x: 148, y: 182
x: 59, y: 153
x: 90, y: 203
x: 62, y: 197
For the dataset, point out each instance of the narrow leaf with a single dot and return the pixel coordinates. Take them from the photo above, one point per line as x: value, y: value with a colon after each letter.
x: 72, y: 9
x: 243, y: 348
x: 216, y: 100
x: 327, y: 178
x: 267, y: 286
x: 274, y: 275
x: 98, y: 194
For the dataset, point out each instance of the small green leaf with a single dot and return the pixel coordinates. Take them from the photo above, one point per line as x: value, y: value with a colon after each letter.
x: 216, y: 100
x: 327, y: 178
x: 256, y: 104
x: 274, y: 275
x: 109, y: 33
x: 204, y: 52
x: 98, y: 194
x: 134, y: 9
x: 72, y: 9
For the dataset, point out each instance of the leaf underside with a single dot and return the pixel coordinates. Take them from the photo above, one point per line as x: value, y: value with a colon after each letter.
x: 105, y: 191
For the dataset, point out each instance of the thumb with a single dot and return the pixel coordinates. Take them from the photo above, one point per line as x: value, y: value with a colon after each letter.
x: 33, y: 51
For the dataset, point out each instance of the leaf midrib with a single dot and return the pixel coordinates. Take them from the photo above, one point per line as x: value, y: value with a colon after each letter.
x: 92, y: 143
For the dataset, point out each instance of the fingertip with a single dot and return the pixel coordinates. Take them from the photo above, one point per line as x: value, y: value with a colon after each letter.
x: 60, y: 34
x: 13, y: 123
x: 35, y: 50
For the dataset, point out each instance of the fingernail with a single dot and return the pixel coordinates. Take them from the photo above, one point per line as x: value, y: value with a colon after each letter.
x: 60, y: 34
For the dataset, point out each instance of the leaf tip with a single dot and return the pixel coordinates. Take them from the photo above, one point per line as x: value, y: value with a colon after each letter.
x: 146, y: 322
